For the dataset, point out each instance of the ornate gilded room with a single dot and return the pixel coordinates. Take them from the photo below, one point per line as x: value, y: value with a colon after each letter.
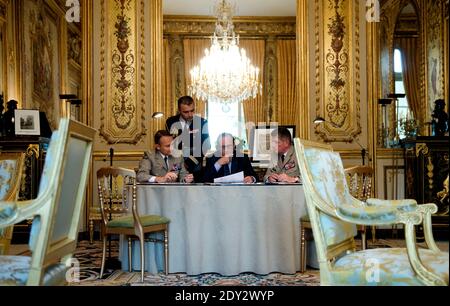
x: 224, y: 143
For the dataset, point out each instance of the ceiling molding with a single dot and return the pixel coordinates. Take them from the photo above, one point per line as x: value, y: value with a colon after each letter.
x: 244, y: 26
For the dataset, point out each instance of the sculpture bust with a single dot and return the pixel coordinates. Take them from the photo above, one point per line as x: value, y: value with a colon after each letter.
x: 440, y: 119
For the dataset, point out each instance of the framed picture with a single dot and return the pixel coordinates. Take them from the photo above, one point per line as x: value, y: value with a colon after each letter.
x: 27, y: 122
x: 260, y: 141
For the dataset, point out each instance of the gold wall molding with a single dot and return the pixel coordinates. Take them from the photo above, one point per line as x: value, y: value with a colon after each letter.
x: 3, y: 10
x: 270, y: 80
x: 303, y: 122
x: 177, y: 70
x: 205, y: 26
x: 156, y: 59
x: 122, y: 90
x: 337, y: 64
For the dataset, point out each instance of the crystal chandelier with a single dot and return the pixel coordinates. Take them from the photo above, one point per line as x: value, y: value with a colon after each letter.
x: 225, y: 74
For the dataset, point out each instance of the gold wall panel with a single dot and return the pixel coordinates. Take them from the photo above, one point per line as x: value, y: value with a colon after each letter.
x: 338, y: 71
x: 122, y: 89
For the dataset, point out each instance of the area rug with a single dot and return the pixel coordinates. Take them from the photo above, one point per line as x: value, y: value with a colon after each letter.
x: 121, y: 278
x: 89, y: 258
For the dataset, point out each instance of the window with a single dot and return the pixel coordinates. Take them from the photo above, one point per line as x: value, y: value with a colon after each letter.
x: 226, y: 118
x: 402, y: 106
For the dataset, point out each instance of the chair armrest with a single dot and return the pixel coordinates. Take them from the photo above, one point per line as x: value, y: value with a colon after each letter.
x: 427, y: 210
x: 15, y: 212
x: 361, y: 214
x: 402, y: 205
x: 426, y: 276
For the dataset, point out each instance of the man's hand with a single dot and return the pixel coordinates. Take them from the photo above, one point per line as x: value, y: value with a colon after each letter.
x: 189, y: 178
x: 273, y: 178
x: 170, y: 177
x: 286, y: 178
x: 224, y: 161
x: 248, y: 180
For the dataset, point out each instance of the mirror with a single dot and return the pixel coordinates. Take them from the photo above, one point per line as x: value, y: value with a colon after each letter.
x: 400, y: 73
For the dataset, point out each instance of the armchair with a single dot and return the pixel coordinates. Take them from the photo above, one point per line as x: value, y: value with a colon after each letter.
x: 56, y: 211
x: 334, y: 214
x: 11, y: 167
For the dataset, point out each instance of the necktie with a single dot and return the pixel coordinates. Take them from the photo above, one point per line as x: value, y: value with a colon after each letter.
x: 282, y: 158
x: 226, y: 169
x: 166, y: 161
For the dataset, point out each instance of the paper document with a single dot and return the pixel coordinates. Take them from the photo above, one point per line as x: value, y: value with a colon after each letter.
x: 234, y: 178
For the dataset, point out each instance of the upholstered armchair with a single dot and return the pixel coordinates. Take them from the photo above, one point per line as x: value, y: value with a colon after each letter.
x: 334, y: 214
x: 56, y: 212
x: 11, y: 167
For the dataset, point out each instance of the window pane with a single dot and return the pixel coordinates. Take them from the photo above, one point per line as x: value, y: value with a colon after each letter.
x: 226, y: 119
x: 397, y: 61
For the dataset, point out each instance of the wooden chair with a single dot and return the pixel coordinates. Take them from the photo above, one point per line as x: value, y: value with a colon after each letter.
x: 113, y: 187
x: 359, y: 180
x: 334, y: 214
x: 11, y: 168
x: 56, y: 212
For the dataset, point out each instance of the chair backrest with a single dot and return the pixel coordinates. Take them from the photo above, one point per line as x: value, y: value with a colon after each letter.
x: 360, y: 180
x: 325, y: 189
x: 112, y: 184
x: 58, y: 208
x: 11, y: 168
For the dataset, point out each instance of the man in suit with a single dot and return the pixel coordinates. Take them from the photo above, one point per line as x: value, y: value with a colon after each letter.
x: 160, y: 166
x: 285, y: 169
x: 192, y: 136
x: 227, y: 161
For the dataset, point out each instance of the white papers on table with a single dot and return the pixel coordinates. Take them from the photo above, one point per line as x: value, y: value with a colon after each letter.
x: 234, y: 178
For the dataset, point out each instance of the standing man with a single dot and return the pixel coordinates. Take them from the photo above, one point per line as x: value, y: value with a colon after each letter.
x: 160, y: 166
x: 286, y: 169
x: 227, y: 161
x: 192, y: 136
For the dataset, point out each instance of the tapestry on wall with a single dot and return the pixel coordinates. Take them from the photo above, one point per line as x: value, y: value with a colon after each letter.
x: 41, y: 58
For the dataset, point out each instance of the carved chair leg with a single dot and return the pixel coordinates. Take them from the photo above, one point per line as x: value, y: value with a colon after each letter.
x: 302, y: 249
x: 102, y: 269
x: 130, y: 244
x: 363, y: 238
x: 166, y: 252
x: 374, y: 231
x: 91, y: 231
x: 141, y: 240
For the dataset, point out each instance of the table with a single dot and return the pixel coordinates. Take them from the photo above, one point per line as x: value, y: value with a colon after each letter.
x: 227, y: 229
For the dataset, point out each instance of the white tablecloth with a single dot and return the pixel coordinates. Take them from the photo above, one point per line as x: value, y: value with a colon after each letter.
x: 223, y: 229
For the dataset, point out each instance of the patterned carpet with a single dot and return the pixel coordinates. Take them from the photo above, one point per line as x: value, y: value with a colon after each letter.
x: 89, y: 257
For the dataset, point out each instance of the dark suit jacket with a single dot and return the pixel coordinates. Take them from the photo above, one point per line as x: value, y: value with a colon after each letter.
x: 195, y: 147
x: 198, y: 134
x: 238, y: 164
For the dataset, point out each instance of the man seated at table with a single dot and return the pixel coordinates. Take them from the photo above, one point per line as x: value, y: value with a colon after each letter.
x: 227, y: 161
x: 160, y: 166
x: 284, y: 168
